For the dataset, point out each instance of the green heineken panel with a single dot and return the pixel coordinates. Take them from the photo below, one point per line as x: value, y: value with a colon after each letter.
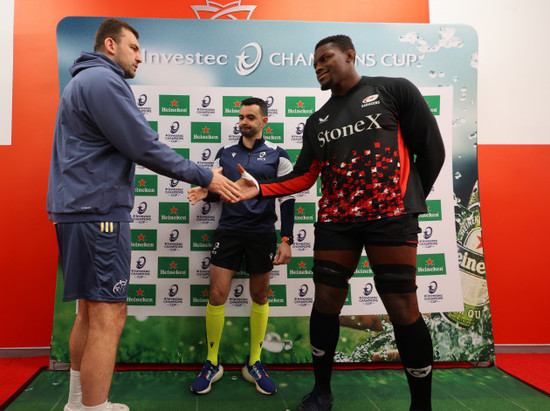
x: 471, y: 264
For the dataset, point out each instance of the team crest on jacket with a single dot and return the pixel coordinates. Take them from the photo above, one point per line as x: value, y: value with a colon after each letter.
x: 370, y: 100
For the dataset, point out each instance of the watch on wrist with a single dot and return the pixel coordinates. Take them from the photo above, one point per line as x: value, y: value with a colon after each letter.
x: 288, y: 240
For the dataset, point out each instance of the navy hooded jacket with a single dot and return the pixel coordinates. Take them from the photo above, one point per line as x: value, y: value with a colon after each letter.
x: 99, y: 135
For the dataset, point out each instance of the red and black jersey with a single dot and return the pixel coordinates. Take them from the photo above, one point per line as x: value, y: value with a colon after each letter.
x: 378, y: 149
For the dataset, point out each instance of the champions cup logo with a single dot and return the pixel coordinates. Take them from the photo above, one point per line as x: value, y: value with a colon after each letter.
x: 236, y: 129
x: 213, y: 10
x: 428, y: 232
x: 173, y: 290
x: 300, y: 128
x: 367, y: 289
x: 140, y: 271
x: 205, y: 209
x: 174, y: 235
x: 140, y: 263
x: 142, y: 207
x: 247, y: 64
x: 206, y: 154
x: 174, y: 127
x: 239, y: 289
x: 205, y: 263
x: 303, y: 300
x: 206, y: 101
x: 426, y: 241
x: 142, y: 100
x: 271, y: 111
x: 432, y: 297
x: 174, y: 182
x: 302, y: 234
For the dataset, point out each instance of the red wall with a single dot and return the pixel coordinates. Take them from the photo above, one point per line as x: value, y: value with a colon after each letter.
x: 27, y: 239
x: 514, y: 192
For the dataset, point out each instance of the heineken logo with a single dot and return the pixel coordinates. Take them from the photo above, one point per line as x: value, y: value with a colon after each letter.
x: 277, y: 295
x: 300, y: 267
x: 348, y: 297
x: 363, y: 268
x: 154, y: 125
x: 293, y: 153
x: 174, y: 213
x: 434, y: 104
x: 173, y: 105
x: 300, y: 106
x: 199, y: 294
x: 184, y: 152
x: 173, y: 267
x: 274, y: 132
x: 304, y: 212
x: 434, y: 211
x: 471, y: 262
x: 206, y: 132
x: 142, y: 294
x: 232, y: 105
x: 146, y: 184
x: 202, y: 240
x: 431, y: 264
x: 144, y: 239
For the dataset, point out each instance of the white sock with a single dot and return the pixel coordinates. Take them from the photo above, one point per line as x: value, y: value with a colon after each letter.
x: 100, y: 407
x: 75, y: 390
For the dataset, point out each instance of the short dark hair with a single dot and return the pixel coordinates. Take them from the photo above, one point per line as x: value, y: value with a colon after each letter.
x: 342, y: 41
x: 258, y: 101
x: 111, y: 28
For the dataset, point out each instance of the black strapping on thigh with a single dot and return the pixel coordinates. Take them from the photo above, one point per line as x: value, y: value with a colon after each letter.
x: 394, y: 278
x: 331, y: 274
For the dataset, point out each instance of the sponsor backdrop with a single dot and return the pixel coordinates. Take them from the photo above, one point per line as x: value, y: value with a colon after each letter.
x: 189, y: 87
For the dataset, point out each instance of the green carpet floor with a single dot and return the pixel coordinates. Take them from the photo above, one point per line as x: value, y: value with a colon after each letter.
x: 453, y: 389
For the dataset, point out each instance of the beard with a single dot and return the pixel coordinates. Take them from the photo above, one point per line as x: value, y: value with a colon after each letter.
x: 247, y: 132
x: 326, y: 85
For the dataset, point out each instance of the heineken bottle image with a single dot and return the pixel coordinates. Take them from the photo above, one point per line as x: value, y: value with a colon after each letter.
x: 471, y: 263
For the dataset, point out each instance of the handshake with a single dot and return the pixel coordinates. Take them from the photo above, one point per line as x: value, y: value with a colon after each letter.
x: 243, y: 189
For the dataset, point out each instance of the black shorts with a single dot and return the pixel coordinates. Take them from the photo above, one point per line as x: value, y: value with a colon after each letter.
x: 95, y: 259
x: 258, y: 250
x: 391, y: 231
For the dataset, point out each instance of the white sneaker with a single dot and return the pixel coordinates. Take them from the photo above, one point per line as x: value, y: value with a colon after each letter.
x: 117, y: 407
x: 110, y: 407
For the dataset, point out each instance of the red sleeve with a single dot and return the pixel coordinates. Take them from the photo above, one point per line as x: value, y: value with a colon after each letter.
x: 293, y: 182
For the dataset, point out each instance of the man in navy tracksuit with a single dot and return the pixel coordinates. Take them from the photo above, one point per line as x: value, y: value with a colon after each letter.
x: 246, y: 230
x: 99, y: 135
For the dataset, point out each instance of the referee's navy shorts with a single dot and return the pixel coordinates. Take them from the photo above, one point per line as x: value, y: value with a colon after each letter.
x: 388, y: 231
x: 258, y: 250
x: 95, y: 259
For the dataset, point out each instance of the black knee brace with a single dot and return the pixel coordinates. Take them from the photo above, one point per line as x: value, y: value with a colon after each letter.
x: 394, y: 278
x: 331, y: 274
